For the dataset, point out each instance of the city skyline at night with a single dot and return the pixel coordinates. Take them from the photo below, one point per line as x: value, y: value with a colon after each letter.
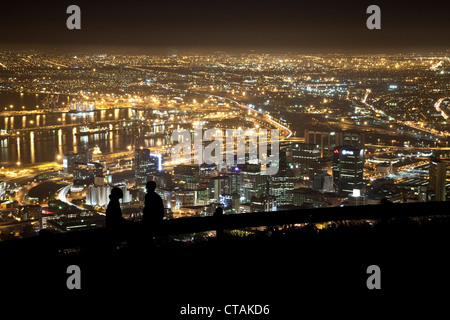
x: 87, y: 122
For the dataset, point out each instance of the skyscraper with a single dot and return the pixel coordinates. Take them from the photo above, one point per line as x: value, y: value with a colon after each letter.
x: 438, y: 179
x: 348, y: 164
x: 146, y: 165
x: 253, y: 183
x: 221, y: 185
x: 85, y: 173
x: 323, y: 182
x: 303, y: 158
x: 71, y: 159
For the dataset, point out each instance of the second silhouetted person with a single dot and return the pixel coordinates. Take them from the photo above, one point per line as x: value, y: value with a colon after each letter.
x: 154, y: 208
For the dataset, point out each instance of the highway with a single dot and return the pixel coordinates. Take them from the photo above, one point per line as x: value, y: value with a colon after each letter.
x: 411, y: 124
x: 406, y: 148
x: 62, y: 195
x: 20, y: 195
x: 265, y: 116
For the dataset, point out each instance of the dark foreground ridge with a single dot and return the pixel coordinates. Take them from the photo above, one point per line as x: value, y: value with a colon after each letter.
x: 291, y: 267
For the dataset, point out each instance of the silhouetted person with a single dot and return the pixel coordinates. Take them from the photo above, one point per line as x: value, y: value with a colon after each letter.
x: 153, y: 214
x: 153, y: 209
x: 115, y: 223
x: 218, y: 214
x: 114, y: 219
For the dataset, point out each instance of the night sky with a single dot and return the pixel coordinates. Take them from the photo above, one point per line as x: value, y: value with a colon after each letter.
x: 330, y: 25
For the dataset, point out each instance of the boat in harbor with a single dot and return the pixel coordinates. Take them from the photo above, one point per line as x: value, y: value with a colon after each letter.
x: 82, y: 106
x: 85, y: 131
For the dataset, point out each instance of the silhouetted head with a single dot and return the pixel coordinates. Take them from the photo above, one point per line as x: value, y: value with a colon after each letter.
x: 116, y: 194
x: 219, y: 211
x: 150, y: 186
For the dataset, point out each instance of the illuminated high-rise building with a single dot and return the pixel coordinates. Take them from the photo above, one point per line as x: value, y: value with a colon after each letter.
x: 221, y: 185
x: 84, y: 173
x: 437, y: 186
x: 323, y: 182
x: 348, y: 164
x: 303, y: 158
x: 283, y: 180
x: 71, y: 159
x: 146, y: 165
x: 253, y: 183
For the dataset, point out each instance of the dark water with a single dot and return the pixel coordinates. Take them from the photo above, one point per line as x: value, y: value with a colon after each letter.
x: 28, y: 101
x: 45, y: 144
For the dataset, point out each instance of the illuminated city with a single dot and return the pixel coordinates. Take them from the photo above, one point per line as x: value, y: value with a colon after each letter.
x: 109, y: 122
